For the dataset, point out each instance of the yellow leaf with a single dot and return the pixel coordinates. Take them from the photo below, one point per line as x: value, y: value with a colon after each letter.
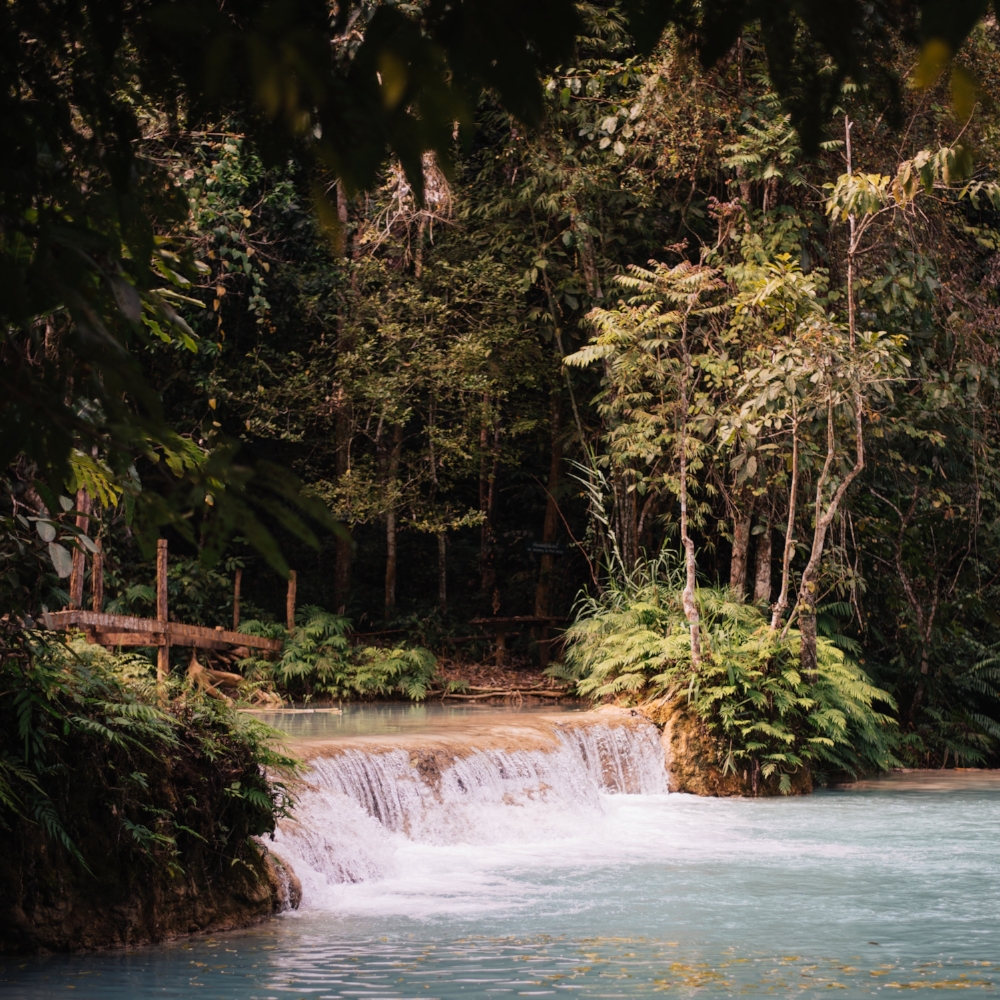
x: 392, y: 77
x: 933, y: 59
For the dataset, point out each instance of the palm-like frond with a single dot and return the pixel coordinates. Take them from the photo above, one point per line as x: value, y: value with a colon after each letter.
x: 633, y: 643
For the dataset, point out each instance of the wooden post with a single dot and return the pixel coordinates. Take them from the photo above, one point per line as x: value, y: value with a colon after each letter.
x: 236, y: 599
x: 163, y: 653
x: 290, y: 602
x: 97, y: 578
x: 79, y: 556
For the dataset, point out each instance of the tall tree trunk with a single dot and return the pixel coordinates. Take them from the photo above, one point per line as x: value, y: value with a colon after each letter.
x: 808, y: 592
x: 487, y: 494
x: 442, y: 534
x: 343, y: 432
x: 442, y: 540
x: 809, y: 588
x: 483, y: 490
x: 390, y: 524
x: 550, y: 526
x: 741, y: 549
x: 781, y: 605
x: 344, y: 545
x: 687, y: 598
x: 762, y: 565
x: 626, y: 521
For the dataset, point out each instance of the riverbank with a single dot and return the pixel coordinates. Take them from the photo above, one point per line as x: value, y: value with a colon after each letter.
x: 862, y: 890
x: 137, y: 812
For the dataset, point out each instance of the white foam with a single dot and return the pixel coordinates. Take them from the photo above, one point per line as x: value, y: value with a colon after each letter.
x: 378, y: 817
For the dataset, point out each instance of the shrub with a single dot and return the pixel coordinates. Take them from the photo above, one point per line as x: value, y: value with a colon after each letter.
x: 632, y: 644
x: 190, y: 774
x: 319, y: 659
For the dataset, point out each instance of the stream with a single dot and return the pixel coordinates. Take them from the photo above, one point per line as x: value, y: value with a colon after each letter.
x: 470, y: 852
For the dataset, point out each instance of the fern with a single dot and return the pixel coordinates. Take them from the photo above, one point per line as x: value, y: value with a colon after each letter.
x: 318, y: 658
x: 633, y: 644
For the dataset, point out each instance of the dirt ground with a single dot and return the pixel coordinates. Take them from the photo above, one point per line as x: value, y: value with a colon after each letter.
x: 478, y: 678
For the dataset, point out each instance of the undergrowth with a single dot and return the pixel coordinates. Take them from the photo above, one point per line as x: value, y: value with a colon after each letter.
x: 632, y: 645
x: 318, y: 659
x: 79, y: 723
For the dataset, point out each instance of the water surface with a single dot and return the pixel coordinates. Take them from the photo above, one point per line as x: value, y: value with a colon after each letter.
x: 888, y: 886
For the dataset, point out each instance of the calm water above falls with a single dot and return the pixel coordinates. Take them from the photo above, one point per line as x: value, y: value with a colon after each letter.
x: 521, y: 872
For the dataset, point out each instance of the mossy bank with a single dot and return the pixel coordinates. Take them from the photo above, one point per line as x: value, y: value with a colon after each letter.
x: 130, y: 815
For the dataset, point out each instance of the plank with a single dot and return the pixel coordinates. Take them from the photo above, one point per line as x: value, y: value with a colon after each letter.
x: 150, y: 629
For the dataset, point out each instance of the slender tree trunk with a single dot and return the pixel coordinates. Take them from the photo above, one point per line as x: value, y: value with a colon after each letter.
x: 442, y: 540
x: 808, y: 592
x: 79, y: 555
x: 418, y: 253
x: 810, y: 576
x: 290, y: 599
x: 97, y: 578
x: 484, y: 527
x: 343, y: 547
x: 442, y: 534
x: 852, y: 243
x: 741, y: 549
x: 487, y: 494
x: 550, y: 526
x: 343, y: 433
x: 390, y: 524
x: 781, y: 605
x: 237, y: 584
x: 762, y: 565
x: 687, y: 598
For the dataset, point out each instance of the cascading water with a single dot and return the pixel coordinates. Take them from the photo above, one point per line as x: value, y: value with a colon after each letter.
x: 359, y: 801
x: 498, y: 857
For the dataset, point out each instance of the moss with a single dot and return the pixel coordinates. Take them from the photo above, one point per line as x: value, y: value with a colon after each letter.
x: 695, y: 760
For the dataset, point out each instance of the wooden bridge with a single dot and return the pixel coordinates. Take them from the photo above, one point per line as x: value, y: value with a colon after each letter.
x: 113, y: 631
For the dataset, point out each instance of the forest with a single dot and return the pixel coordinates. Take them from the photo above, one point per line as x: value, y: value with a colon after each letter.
x: 696, y: 369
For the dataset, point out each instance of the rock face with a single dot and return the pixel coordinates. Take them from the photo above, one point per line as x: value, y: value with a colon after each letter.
x: 695, y: 765
x: 49, y: 903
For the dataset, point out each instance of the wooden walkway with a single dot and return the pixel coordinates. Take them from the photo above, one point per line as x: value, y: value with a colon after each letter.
x: 113, y: 631
x: 125, y: 630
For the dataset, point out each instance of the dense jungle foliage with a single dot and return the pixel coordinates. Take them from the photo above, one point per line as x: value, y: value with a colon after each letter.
x: 501, y: 366
x: 87, y: 738
x: 653, y: 307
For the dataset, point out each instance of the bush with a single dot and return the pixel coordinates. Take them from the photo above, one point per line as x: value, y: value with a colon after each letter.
x: 632, y: 644
x: 192, y: 774
x: 318, y: 659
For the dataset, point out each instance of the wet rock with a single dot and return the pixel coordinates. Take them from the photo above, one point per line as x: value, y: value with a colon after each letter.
x: 49, y: 903
x: 695, y: 760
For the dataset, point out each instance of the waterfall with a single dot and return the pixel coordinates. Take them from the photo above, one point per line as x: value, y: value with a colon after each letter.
x: 524, y: 784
